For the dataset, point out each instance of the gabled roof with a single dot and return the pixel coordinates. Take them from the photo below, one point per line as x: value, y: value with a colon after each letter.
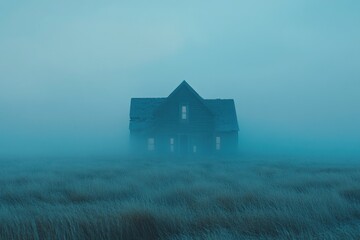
x: 184, y: 85
x: 225, y: 114
x: 142, y: 111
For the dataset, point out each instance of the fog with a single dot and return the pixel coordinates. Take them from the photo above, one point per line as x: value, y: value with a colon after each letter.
x: 68, y: 71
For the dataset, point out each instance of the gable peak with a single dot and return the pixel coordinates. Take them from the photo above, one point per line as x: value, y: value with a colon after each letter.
x: 185, y: 84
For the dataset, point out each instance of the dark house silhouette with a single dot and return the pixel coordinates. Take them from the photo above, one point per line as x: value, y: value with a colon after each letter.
x: 183, y: 123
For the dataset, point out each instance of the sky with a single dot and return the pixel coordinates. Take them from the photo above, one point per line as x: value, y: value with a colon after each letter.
x: 69, y: 68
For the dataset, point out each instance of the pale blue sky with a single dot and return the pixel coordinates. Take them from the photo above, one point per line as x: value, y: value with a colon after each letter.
x: 68, y: 71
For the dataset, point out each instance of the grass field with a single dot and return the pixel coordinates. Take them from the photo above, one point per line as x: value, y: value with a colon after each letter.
x: 178, y: 199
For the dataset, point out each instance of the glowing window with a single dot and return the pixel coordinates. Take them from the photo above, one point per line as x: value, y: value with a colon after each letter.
x: 172, y: 148
x: 151, y: 144
x: 218, y: 143
x: 183, y: 112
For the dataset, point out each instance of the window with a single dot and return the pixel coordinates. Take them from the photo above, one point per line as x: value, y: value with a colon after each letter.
x: 172, y: 148
x: 218, y: 143
x: 183, y: 112
x: 151, y: 144
x: 194, y: 149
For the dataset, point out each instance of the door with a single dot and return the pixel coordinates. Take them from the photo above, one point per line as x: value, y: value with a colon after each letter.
x: 184, y: 144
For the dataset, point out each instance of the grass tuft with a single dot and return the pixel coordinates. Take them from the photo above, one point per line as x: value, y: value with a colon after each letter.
x: 352, y: 195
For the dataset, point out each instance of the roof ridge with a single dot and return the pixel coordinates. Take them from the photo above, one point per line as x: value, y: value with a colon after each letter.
x: 148, y: 97
x: 219, y: 99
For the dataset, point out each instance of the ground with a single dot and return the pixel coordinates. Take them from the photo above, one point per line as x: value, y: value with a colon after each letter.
x: 140, y: 198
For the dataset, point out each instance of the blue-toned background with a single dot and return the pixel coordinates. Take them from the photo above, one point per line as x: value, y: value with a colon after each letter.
x: 68, y: 71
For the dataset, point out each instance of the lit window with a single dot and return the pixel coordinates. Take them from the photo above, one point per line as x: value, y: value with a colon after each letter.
x: 151, y: 144
x: 172, y: 144
x: 194, y: 148
x: 183, y: 112
x: 218, y: 143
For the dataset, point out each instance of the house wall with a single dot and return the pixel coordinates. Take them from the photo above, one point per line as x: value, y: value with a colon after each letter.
x: 197, y: 128
x: 168, y: 117
x: 205, y: 143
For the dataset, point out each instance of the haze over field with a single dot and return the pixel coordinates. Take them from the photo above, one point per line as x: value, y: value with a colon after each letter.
x: 68, y: 71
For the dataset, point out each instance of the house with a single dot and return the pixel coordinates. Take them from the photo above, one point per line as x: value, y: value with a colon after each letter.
x: 183, y: 123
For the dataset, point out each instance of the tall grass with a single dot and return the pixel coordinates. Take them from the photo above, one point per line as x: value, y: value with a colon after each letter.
x: 178, y: 199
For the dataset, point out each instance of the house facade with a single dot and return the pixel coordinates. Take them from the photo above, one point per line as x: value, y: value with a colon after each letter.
x: 183, y: 124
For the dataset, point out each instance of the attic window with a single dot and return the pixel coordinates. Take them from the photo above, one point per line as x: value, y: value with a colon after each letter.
x: 151, y: 144
x: 218, y: 143
x: 184, y: 112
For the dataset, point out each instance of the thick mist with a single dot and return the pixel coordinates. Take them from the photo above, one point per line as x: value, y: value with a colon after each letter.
x: 68, y: 71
